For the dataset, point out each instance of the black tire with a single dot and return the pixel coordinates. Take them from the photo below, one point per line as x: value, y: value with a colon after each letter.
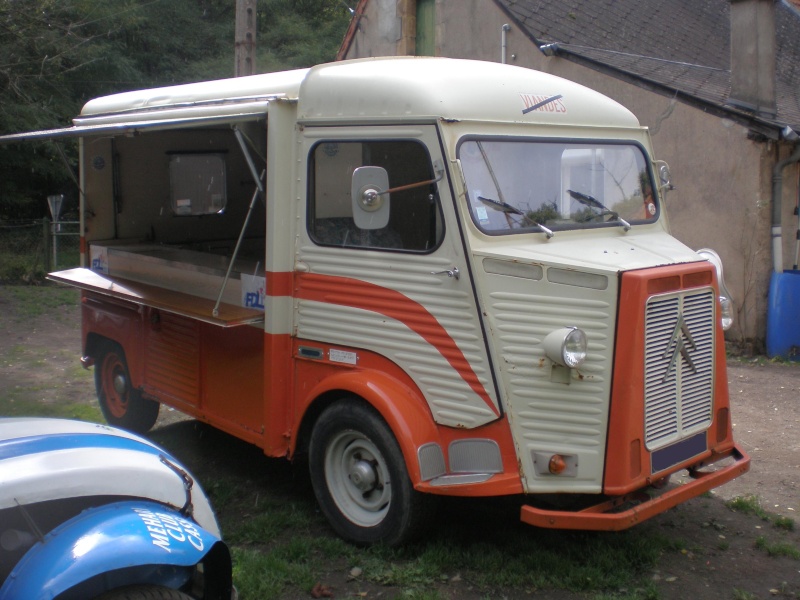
x: 122, y: 405
x: 360, y: 478
x: 144, y: 592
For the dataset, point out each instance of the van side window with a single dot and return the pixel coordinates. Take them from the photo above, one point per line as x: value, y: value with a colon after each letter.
x: 414, y: 219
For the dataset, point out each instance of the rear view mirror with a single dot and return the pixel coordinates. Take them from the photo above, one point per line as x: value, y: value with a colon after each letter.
x: 664, y: 176
x: 369, y: 192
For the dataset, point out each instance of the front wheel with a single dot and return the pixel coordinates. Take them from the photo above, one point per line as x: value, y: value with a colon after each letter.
x: 122, y: 405
x: 360, y: 479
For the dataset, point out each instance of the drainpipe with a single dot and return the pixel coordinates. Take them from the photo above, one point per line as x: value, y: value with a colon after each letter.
x: 777, y: 191
x: 504, y: 42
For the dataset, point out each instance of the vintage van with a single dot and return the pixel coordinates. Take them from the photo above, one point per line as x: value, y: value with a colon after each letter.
x: 430, y: 276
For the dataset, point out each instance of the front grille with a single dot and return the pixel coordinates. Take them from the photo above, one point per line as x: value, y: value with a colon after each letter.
x: 679, y: 365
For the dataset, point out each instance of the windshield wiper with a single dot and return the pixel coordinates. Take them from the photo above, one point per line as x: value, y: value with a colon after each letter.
x: 592, y: 202
x: 506, y: 208
x: 501, y: 206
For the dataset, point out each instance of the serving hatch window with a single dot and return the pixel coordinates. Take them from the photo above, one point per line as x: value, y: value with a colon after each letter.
x: 197, y: 183
x: 524, y: 185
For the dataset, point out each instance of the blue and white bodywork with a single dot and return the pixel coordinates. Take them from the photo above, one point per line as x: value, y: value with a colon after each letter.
x: 86, y: 509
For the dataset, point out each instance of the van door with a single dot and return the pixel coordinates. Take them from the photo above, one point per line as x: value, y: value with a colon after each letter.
x: 398, y: 287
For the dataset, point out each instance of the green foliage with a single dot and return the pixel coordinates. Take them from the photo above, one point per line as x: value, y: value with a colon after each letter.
x: 57, y: 54
x: 22, y: 254
x: 299, y: 33
x: 544, y: 214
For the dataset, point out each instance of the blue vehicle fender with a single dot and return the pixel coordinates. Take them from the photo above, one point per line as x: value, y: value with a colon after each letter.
x: 126, y: 542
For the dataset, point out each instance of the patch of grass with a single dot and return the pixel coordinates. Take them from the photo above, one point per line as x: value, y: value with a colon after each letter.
x: 750, y: 505
x: 739, y: 594
x: 29, y: 302
x: 279, y: 552
x: 269, y: 522
x: 581, y: 562
x: 777, y: 548
x: 16, y: 403
x: 786, y: 523
x: 649, y: 591
x: 266, y: 575
x: 222, y: 493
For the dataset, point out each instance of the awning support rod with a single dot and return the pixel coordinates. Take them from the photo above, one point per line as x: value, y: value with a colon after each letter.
x: 259, y: 191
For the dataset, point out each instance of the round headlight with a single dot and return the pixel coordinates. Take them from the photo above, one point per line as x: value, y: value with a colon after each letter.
x: 725, y: 299
x: 566, y: 346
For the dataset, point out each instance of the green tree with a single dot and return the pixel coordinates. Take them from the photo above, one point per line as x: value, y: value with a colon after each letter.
x: 57, y: 54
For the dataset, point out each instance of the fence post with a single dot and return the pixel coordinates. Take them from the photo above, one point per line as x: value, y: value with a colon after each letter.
x: 46, y: 244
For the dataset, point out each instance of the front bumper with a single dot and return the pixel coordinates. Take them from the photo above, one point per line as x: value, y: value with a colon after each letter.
x: 610, y: 515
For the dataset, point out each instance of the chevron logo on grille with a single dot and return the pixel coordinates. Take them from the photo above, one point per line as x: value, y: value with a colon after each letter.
x: 681, y: 344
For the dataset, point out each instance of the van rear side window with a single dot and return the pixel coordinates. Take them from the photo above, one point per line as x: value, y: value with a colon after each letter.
x: 197, y: 183
x: 414, y: 217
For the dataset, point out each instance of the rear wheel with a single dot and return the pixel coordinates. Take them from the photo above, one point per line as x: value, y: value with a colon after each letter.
x: 360, y: 478
x: 122, y: 405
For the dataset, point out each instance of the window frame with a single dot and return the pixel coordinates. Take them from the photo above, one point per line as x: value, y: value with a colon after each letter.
x: 438, y: 224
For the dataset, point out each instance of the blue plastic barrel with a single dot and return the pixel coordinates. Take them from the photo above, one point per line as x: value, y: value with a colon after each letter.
x: 783, y: 316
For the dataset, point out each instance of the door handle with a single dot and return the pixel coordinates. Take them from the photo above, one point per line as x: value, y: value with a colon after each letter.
x: 454, y: 272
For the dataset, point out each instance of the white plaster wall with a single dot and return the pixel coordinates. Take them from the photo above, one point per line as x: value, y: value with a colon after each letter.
x: 378, y: 31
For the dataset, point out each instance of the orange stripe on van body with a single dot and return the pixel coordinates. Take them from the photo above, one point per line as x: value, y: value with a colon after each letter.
x: 279, y: 283
x: 627, y: 460
x: 355, y: 293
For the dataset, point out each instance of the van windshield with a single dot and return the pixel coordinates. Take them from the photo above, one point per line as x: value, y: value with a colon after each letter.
x: 525, y: 185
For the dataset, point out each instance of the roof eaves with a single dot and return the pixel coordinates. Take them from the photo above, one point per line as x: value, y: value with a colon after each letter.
x: 769, y: 129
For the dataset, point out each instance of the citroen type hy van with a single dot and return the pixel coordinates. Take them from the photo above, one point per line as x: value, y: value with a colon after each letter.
x: 429, y: 276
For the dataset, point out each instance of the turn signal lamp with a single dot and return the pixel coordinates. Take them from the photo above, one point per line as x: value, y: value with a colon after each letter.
x: 557, y: 464
x: 566, y: 347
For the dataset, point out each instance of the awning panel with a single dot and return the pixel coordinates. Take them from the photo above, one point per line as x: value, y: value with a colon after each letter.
x: 149, y: 121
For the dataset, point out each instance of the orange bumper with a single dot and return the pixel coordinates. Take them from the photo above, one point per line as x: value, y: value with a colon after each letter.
x: 600, y: 518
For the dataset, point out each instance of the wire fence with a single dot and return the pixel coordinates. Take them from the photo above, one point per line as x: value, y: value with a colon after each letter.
x: 31, y: 249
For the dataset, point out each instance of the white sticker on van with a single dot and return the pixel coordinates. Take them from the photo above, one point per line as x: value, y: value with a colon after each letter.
x: 254, y: 291
x: 98, y: 257
x: 342, y: 356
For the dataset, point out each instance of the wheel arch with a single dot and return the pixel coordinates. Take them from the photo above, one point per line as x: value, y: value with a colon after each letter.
x: 107, y: 319
x: 116, y: 545
x: 402, y: 408
x: 93, y: 346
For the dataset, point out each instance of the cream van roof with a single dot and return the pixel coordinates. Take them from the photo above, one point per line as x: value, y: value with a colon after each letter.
x: 381, y: 89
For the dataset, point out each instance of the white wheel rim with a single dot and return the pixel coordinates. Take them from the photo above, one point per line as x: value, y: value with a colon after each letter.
x: 358, y: 478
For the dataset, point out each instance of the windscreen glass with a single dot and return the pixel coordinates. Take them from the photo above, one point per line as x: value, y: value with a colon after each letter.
x: 524, y: 185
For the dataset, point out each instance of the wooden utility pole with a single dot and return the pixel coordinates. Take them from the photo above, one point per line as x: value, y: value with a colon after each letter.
x: 245, y: 45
